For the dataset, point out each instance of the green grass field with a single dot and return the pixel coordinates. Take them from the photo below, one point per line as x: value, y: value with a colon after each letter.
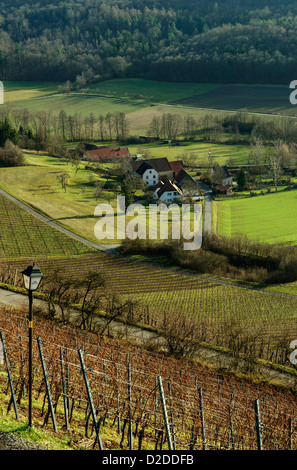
x: 142, y: 99
x: 77, y: 103
x: 26, y: 91
x: 23, y: 236
x: 222, y: 153
x: 37, y: 184
x: 146, y: 90
x: 270, y: 218
x: 254, y: 98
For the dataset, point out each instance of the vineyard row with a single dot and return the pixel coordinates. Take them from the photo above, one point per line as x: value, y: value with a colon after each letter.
x: 149, y: 400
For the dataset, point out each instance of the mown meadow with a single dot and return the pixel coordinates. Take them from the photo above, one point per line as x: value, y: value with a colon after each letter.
x: 265, y: 218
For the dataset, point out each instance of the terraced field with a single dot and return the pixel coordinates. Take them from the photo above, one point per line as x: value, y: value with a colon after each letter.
x: 206, y: 409
x: 216, y: 312
x: 23, y: 235
x: 219, y: 313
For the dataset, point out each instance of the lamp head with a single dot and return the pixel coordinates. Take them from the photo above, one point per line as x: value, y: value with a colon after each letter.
x: 32, y: 277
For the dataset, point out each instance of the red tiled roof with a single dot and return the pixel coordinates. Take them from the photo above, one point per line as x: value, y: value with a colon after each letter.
x: 177, y: 165
x: 107, y: 153
x: 223, y: 188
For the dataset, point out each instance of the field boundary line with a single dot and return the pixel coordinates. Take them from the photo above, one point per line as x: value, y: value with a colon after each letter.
x: 55, y: 225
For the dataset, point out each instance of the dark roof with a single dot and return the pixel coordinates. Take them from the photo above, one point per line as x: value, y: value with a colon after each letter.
x: 182, y: 174
x: 159, y: 164
x: 90, y: 146
x: 159, y: 185
x: 169, y: 186
x: 143, y: 167
x: 224, y: 168
x: 136, y: 164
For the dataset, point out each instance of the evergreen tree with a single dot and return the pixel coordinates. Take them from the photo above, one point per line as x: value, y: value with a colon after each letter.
x: 241, y: 180
x: 8, y: 132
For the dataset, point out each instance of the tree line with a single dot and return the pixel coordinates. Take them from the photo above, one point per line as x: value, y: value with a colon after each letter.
x: 237, y: 257
x: 243, y: 41
x: 44, y: 130
x: 238, y: 127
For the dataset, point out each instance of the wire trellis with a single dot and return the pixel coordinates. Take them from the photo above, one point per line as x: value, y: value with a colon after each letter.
x: 196, y: 408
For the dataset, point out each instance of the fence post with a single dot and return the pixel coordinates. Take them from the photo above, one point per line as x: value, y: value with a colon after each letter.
x: 259, y: 425
x: 172, y: 417
x: 2, y: 355
x: 9, y: 377
x: 202, y: 419
x: 48, y: 390
x: 64, y: 390
x: 165, y: 413
x: 118, y: 402
x: 67, y: 383
x: 291, y: 433
x: 89, y: 392
x: 231, y: 422
x: 130, y: 408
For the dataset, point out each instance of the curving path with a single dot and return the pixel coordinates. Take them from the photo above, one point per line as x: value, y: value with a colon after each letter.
x: 56, y: 226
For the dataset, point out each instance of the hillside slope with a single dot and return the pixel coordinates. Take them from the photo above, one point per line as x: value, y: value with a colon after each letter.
x: 232, y: 41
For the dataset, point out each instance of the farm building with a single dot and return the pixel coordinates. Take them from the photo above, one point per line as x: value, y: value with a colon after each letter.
x: 221, y: 189
x: 149, y: 175
x: 106, y: 153
x: 168, y: 192
x: 161, y: 165
x: 164, y: 168
x: 176, y: 167
x: 188, y: 185
x: 221, y: 175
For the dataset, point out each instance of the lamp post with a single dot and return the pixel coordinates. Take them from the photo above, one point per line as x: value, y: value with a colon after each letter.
x: 32, y: 277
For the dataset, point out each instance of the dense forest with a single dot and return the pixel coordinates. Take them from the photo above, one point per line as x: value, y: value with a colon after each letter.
x: 244, y: 41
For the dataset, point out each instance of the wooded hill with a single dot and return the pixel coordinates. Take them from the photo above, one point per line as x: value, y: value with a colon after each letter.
x: 245, y: 41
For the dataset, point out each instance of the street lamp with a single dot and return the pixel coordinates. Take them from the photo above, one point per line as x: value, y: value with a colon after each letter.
x: 32, y: 277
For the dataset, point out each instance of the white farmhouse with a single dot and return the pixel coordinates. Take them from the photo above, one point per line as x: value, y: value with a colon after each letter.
x: 168, y: 192
x: 149, y: 175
